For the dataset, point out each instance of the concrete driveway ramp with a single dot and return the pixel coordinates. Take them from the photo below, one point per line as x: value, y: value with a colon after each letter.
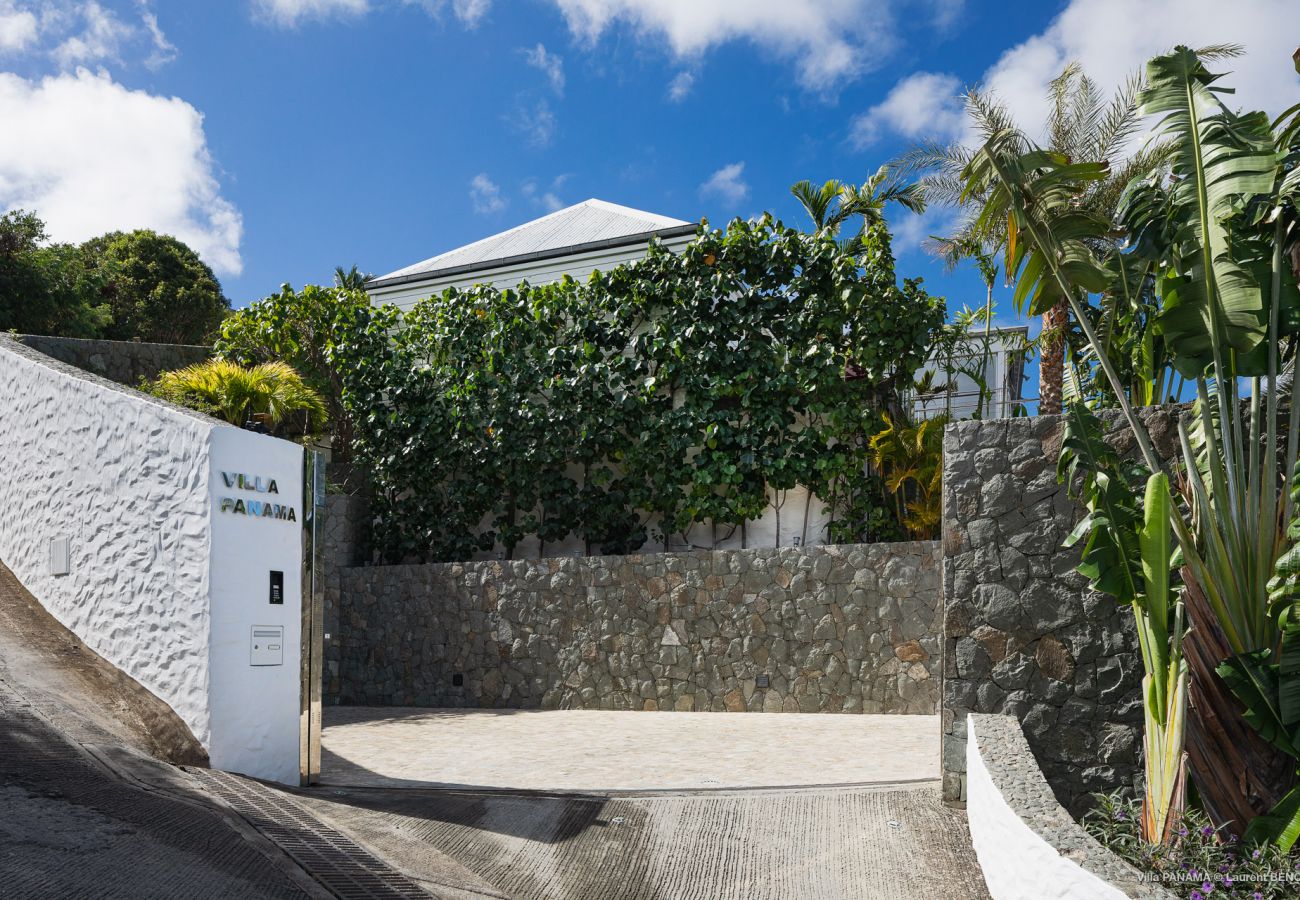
x: 595, y: 805
x: 808, y: 844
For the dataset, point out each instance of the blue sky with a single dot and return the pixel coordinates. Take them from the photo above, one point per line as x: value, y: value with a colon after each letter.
x: 284, y: 137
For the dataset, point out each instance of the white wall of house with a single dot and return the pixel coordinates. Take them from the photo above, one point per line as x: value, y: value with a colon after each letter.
x: 541, y: 271
x: 1003, y: 375
x: 159, y: 581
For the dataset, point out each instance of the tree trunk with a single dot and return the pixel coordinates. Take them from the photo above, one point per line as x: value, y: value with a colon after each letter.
x: 1237, y: 773
x: 1051, y: 361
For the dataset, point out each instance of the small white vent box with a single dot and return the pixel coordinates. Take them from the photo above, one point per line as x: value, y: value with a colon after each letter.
x: 60, y: 556
x: 267, y: 645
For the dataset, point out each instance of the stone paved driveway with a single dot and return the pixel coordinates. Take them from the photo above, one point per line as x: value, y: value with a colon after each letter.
x: 599, y: 750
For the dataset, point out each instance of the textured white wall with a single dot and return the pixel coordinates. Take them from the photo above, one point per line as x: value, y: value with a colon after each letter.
x: 162, y: 584
x: 1018, y: 864
x: 125, y: 480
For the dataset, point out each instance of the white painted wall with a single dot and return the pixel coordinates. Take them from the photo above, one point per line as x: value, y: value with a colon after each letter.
x: 1018, y: 864
x: 159, y: 582
x: 1003, y: 375
x: 255, y: 712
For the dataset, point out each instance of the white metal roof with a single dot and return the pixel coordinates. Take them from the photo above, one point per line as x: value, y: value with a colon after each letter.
x: 587, y: 222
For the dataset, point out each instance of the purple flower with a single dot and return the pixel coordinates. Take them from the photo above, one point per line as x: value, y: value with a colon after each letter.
x: 1197, y: 895
x: 1227, y: 881
x: 1206, y: 886
x: 1207, y: 830
x: 1254, y: 854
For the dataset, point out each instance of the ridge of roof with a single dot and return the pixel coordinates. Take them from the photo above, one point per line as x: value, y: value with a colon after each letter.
x: 593, y: 221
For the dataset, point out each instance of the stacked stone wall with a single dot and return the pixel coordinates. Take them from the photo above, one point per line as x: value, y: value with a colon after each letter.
x: 794, y: 629
x: 123, y: 362
x: 1024, y: 636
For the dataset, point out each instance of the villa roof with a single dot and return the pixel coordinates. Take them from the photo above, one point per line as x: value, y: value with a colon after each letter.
x: 587, y: 225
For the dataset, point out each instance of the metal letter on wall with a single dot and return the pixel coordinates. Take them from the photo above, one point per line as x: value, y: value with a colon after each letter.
x: 313, y: 617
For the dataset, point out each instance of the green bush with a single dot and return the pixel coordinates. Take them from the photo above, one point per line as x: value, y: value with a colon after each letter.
x: 676, y: 390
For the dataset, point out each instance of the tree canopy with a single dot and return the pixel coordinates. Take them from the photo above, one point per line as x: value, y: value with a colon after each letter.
x: 157, y: 288
x: 137, y: 285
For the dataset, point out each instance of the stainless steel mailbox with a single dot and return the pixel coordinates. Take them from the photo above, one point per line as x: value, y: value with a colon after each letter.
x: 267, y: 645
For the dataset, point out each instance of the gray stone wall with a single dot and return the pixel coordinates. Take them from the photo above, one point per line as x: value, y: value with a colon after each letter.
x: 1023, y: 634
x: 124, y: 362
x: 343, y: 541
x: 795, y: 629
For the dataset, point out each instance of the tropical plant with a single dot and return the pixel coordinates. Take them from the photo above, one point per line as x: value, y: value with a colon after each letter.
x: 834, y: 203
x: 1216, y: 239
x: 352, y: 279
x: 237, y: 394
x: 1129, y: 554
x: 1203, y: 863
x: 909, y: 455
x: 319, y: 332
x: 1081, y: 126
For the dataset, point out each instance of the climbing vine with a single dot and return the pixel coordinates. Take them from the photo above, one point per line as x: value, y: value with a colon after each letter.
x: 678, y: 396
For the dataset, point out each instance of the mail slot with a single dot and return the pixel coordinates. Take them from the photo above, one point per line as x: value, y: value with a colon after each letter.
x: 267, y: 645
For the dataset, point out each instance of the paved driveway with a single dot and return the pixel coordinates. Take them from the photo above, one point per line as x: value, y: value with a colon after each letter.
x: 588, y: 805
x: 594, y: 750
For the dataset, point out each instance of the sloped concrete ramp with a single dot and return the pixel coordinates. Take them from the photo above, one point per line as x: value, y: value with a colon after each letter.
x: 612, y: 805
x: 882, y: 842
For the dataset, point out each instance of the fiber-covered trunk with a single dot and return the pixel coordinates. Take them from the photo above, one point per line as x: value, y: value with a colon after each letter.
x: 1238, y: 774
x: 1051, y: 366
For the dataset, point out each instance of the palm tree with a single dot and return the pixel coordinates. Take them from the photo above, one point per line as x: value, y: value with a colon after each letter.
x: 236, y: 394
x: 1081, y: 126
x: 350, y: 279
x: 834, y: 202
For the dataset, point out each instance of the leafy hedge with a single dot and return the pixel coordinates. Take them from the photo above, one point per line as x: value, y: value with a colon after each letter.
x: 675, y: 390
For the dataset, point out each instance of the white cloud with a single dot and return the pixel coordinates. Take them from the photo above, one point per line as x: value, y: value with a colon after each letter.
x: 100, y: 40
x: 947, y: 12
x: 680, y: 87
x: 910, y: 230
x: 549, y: 64
x: 548, y: 200
x: 164, y: 51
x: 829, y: 40
x: 1112, y: 39
x: 290, y: 13
x: 147, y: 165
x: 485, y: 194
x: 923, y: 105
x: 17, y: 27
x: 471, y: 12
x: 726, y: 184
x: 537, y: 122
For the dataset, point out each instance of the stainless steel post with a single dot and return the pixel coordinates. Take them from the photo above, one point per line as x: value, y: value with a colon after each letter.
x: 313, y: 617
